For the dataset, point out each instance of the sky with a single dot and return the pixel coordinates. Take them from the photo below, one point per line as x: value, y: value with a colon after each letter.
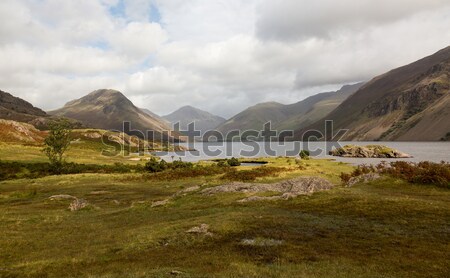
x: 221, y: 56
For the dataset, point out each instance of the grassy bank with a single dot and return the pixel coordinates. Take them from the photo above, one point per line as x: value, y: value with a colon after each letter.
x: 386, y: 228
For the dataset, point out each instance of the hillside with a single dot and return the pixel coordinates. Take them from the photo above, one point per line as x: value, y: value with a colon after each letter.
x: 203, y: 120
x: 291, y: 116
x: 410, y: 103
x: 17, y: 109
x: 19, y: 132
x: 316, y: 107
x: 108, y: 109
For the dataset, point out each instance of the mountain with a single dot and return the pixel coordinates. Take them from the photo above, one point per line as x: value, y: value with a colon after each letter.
x: 17, y: 109
x: 316, y: 107
x: 204, y: 121
x: 108, y: 109
x: 291, y: 116
x: 410, y: 103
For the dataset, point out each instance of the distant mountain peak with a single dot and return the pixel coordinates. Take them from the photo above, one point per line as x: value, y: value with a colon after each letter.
x: 187, y: 114
x: 109, y: 109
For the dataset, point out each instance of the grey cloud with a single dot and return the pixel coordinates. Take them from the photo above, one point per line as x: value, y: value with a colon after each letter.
x: 299, y: 19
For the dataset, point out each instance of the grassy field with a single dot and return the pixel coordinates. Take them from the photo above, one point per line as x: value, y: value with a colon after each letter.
x: 387, y: 228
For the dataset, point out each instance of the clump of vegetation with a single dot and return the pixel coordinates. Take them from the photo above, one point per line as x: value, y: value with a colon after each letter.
x: 233, y: 162
x: 253, y: 174
x: 19, y: 170
x: 154, y: 166
x: 420, y: 173
x: 304, y: 154
x: 56, y: 144
x: 423, y: 172
x: 345, y: 177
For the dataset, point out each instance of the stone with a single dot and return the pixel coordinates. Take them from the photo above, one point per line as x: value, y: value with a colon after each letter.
x: 202, y: 229
x: 262, y: 242
x: 78, y: 204
x: 160, y: 203
x: 62, y: 197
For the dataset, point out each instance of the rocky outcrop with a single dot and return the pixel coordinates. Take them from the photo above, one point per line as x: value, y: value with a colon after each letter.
x: 288, y: 189
x: 12, y: 131
x: 362, y: 179
x: 370, y: 151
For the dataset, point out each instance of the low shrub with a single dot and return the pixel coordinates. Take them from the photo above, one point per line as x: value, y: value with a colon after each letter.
x: 345, y: 177
x: 233, y: 162
x: 154, y: 166
x: 304, y: 154
x: 421, y: 173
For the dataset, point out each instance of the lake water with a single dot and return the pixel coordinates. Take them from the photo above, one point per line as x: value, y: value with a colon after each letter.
x: 421, y: 151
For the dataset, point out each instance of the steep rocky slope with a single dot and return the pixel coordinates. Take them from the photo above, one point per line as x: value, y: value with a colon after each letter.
x: 410, y: 103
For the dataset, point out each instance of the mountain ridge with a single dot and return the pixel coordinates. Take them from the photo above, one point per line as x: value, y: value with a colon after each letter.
x: 288, y: 116
x: 409, y: 103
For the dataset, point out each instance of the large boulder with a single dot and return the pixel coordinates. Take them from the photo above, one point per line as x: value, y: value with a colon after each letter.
x: 287, y: 189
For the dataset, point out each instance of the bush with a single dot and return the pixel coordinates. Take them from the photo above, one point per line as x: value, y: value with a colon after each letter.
x: 179, y: 164
x: 153, y: 165
x: 345, y: 177
x: 233, y: 162
x: 304, y: 154
x: 421, y: 173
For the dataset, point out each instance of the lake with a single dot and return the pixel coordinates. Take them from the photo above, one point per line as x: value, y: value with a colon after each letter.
x: 421, y: 151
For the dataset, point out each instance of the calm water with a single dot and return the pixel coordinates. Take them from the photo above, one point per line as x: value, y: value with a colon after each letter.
x: 431, y: 151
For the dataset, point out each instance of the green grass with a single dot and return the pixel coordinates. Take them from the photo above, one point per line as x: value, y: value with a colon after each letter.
x: 387, y: 228
x: 86, y: 152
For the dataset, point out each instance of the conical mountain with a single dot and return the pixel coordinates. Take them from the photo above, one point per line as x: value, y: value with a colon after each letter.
x: 109, y: 109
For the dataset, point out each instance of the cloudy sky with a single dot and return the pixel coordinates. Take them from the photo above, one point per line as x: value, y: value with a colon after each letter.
x: 218, y: 55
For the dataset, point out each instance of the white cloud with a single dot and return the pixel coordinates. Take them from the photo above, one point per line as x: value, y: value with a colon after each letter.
x: 138, y: 39
x: 218, y: 55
